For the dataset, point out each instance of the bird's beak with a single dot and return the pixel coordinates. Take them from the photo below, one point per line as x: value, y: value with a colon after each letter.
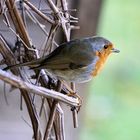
x: 114, y: 50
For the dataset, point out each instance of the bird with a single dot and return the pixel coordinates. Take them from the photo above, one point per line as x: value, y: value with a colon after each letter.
x: 78, y: 60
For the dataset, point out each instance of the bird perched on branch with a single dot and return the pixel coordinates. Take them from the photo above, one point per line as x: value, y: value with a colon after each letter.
x: 76, y: 61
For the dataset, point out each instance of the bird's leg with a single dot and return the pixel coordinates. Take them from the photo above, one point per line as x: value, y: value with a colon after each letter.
x: 71, y: 92
x: 74, y: 109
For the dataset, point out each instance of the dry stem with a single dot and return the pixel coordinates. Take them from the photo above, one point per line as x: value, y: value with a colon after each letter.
x: 19, y: 83
x: 60, y: 19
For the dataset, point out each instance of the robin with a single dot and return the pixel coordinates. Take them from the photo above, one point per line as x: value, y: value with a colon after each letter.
x: 76, y: 61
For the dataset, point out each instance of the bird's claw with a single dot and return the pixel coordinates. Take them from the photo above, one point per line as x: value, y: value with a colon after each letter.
x: 74, y: 95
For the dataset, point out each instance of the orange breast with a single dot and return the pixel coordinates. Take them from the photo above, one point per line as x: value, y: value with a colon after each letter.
x: 99, y: 64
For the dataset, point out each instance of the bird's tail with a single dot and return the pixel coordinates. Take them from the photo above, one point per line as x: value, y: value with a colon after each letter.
x: 31, y: 64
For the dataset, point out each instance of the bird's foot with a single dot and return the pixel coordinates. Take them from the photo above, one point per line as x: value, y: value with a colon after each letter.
x: 75, y: 95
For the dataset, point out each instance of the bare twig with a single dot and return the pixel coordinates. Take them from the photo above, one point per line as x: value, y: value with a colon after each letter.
x: 74, y: 111
x: 52, y: 113
x: 62, y: 20
x: 13, y: 11
x: 17, y: 82
x: 51, y: 119
x: 38, y: 12
x: 50, y: 39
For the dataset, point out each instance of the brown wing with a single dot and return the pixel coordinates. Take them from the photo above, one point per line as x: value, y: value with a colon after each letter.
x: 71, y: 55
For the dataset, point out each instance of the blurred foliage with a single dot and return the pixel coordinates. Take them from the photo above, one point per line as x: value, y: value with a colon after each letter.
x: 113, y: 108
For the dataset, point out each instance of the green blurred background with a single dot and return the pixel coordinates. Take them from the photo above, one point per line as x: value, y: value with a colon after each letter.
x: 113, y: 108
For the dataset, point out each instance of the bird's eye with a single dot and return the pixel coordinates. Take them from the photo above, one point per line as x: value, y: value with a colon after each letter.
x: 105, y: 46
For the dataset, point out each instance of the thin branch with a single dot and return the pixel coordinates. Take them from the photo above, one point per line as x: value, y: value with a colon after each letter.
x: 39, y: 12
x: 51, y: 119
x: 62, y: 20
x: 17, y: 20
x: 19, y: 83
x: 60, y: 120
x: 50, y: 39
x: 52, y: 113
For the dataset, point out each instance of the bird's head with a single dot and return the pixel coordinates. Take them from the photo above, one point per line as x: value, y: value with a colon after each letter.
x: 103, y: 47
